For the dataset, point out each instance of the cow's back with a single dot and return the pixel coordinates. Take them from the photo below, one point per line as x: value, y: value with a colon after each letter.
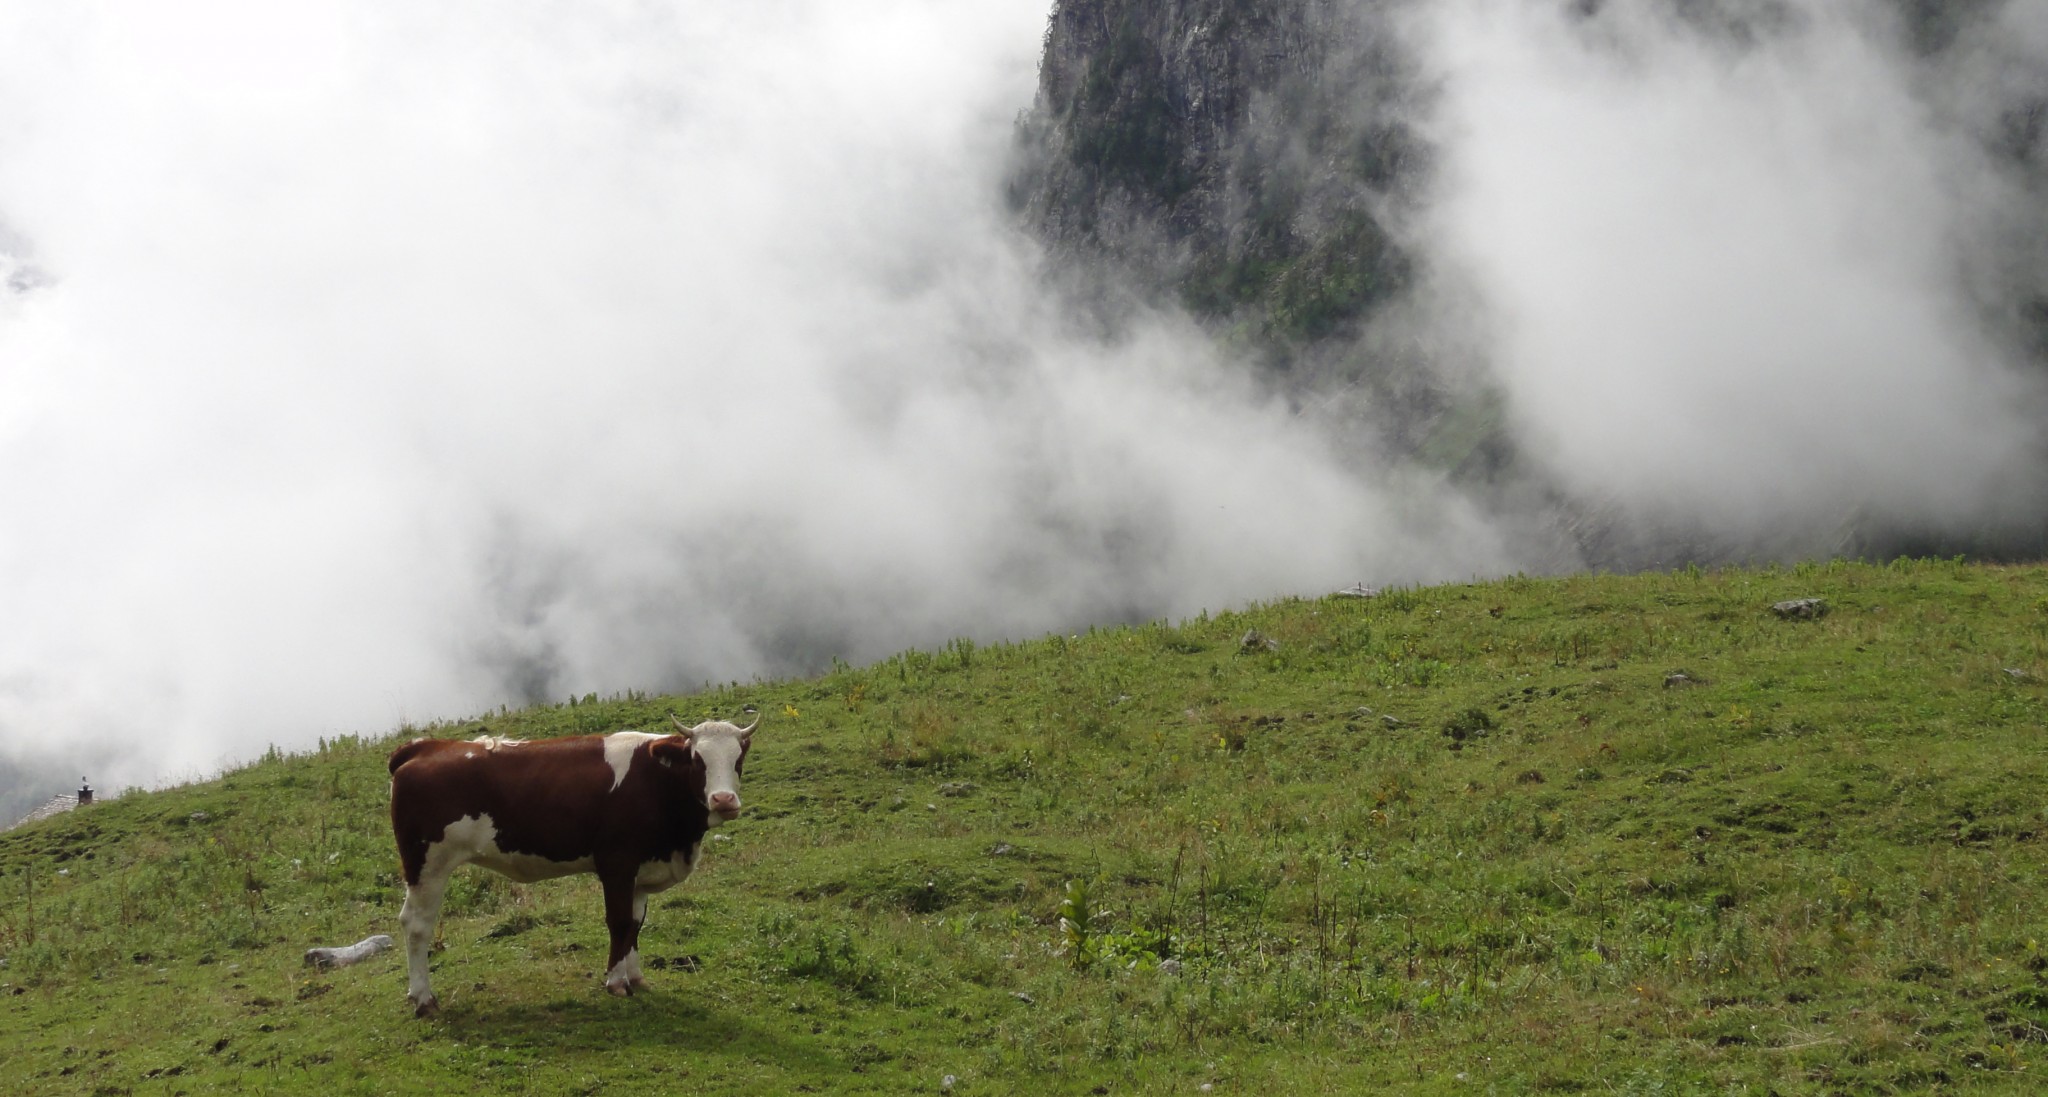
x: 544, y: 799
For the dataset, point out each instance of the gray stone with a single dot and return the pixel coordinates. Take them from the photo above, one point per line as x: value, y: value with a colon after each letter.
x: 327, y: 959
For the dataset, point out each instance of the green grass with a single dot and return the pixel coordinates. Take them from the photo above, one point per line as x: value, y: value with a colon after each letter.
x: 1455, y: 839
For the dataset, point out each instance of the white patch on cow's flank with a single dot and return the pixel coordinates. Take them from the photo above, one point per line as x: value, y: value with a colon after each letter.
x: 618, y: 752
x: 663, y: 875
x: 493, y: 742
x: 473, y: 839
x: 461, y: 841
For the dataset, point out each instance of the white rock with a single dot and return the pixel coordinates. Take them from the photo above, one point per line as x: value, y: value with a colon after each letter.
x: 327, y: 959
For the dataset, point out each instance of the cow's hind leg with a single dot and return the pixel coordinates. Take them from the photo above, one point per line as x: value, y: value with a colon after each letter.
x: 421, y: 912
x: 624, y: 910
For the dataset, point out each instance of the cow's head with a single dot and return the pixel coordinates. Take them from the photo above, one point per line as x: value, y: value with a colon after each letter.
x: 721, y: 748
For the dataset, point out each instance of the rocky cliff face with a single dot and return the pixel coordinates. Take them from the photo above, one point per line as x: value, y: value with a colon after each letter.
x: 1250, y: 159
x: 1238, y: 156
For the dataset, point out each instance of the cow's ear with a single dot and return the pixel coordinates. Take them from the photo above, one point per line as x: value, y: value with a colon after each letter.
x: 671, y: 750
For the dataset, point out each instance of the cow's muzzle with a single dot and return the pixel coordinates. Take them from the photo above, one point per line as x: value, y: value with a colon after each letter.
x: 726, y: 805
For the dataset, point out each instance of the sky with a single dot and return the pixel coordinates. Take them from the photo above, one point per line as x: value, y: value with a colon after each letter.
x: 367, y: 364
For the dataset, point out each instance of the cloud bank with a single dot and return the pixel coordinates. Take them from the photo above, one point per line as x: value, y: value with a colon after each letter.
x: 366, y: 363
x: 1749, y: 269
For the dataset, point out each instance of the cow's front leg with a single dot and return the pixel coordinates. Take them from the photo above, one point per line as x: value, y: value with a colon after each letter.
x: 633, y: 977
x: 623, y: 912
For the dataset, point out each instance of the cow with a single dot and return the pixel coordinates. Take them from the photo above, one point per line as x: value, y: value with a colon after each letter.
x: 632, y: 807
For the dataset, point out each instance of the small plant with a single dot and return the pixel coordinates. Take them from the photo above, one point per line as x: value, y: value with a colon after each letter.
x: 931, y: 738
x: 1141, y: 948
x: 1473, y: 723
x: 832, y: 957
x: 1400, y: 599
x: 1077, y: 933
x: 1424, y: 673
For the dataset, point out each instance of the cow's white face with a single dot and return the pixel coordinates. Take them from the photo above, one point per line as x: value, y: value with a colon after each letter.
x: 722, y: 747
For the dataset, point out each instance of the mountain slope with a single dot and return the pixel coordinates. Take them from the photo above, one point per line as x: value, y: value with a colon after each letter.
x: 1627, y: 832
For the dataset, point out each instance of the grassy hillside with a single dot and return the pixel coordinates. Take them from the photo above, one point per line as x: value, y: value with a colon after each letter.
x: 1602, y: 833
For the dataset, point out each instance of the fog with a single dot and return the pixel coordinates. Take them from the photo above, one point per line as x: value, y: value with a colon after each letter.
x: 364, y: 365
x: 377, y: 364
x: 1753, y: 271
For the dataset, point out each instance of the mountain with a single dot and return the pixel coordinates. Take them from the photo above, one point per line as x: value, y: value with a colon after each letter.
x: 1275, y: 169
x: 1239, y: 157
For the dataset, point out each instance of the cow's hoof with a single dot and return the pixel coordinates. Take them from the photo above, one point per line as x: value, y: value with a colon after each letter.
x: 426, y: 1007
x: 620, y: 989
x: 638, y: 983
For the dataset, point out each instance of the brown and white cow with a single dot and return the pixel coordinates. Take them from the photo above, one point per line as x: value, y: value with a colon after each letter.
x: 632, y: 807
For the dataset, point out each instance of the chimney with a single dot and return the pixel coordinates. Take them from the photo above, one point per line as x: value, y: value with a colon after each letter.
x: 84, y: 792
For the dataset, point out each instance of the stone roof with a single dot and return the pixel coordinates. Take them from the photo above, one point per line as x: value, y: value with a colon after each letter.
x: 58, y: 805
